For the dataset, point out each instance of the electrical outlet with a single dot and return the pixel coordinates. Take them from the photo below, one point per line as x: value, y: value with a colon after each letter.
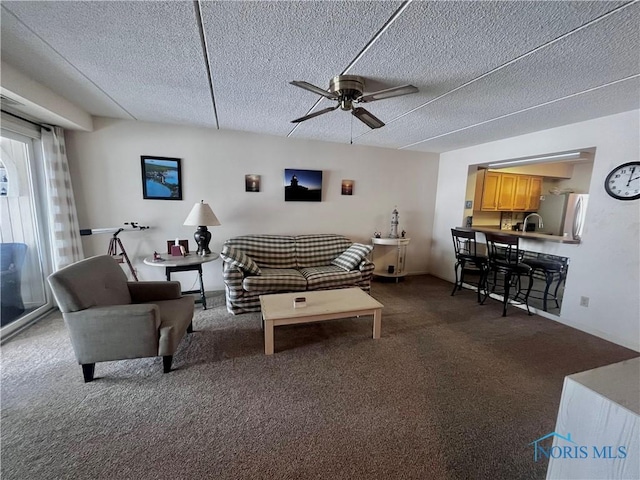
x: 584, y: 301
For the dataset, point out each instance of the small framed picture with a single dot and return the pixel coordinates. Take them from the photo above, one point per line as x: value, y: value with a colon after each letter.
x: 181, y: 243
x: 347, y: 187
x: 161, y: 178
x: 252, y: 183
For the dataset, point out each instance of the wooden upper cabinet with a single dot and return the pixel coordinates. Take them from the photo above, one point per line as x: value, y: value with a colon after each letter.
x: 507, y: 190
x: 490, y: 190
x: 522, y: 191
x: 535, y: 190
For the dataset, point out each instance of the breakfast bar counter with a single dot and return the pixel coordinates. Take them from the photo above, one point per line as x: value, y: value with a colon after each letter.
x: 527, y: 235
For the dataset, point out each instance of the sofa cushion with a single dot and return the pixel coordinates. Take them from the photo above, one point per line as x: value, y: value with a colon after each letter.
x: 269, y: 251
x: 320, y: 249
x: 275, y: 280
x: 352, y: 256
x: 329, y: 276
x: 239, y: 259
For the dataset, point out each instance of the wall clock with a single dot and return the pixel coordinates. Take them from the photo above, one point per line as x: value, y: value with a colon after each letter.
x: 623, y: 182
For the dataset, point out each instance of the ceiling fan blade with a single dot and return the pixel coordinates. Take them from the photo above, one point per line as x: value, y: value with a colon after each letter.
x: 388, y: 93
x: 314, y: 89
x: 367, y: 118
x: 315, y: 114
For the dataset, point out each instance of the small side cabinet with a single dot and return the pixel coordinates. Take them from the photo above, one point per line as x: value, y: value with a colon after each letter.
x: 389, y: 256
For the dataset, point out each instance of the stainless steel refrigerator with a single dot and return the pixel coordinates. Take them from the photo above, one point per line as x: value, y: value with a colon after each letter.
x: 564, y: 214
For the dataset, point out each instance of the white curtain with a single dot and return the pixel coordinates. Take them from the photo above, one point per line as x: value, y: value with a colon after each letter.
x: 64, y: 231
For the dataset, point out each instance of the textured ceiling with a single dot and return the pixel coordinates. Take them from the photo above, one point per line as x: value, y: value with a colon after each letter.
x: 485, y: 70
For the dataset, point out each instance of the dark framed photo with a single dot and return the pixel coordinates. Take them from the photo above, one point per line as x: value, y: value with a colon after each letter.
x: 252, y: 183
x: 347, y: 187
x: 161, y: 178
x: 302, y: 185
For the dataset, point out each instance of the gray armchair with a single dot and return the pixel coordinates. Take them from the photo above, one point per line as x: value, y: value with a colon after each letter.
x: 110, y: 318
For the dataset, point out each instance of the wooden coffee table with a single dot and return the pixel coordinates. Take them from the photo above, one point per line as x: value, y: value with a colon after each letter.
x: 321, y: 305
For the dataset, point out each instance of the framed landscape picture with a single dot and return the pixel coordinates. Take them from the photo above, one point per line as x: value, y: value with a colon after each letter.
x: 302, y: 185
x: 161, y: 178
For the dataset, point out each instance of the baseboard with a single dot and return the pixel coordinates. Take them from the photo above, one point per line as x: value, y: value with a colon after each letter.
x: 623, y: 342
x: 11, y: 330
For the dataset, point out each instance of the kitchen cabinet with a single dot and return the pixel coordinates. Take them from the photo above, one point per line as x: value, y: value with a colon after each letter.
x: 535, y: 190
x: 487, y: 187
x: 507, y: 192
x: 521, y: 196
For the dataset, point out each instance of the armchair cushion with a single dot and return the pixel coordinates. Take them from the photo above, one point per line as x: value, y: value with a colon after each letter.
x: 240, y: 259
x: 352, y: 256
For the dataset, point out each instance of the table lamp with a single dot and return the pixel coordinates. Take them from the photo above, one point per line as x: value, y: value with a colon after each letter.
x: 202, y: 216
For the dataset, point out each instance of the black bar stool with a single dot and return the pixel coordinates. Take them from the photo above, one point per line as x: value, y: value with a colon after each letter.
x: 548, y: 268
x: 467, y: 259
x: 505, y: 258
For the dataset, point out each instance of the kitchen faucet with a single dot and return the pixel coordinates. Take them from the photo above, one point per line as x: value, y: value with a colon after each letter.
x: 540, y: 224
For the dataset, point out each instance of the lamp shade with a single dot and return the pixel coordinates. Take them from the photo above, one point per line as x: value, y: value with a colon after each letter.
x: 201, y: 214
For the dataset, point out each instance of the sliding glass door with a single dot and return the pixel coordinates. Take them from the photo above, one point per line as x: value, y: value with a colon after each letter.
x: 24, y: 255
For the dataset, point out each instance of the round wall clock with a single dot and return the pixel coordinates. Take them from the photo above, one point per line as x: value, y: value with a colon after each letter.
x: 623, y: 183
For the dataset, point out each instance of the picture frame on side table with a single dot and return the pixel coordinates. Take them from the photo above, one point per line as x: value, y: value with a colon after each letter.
x: 161, y: 178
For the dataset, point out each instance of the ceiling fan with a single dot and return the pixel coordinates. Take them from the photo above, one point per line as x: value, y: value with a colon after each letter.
x: 348, y: 90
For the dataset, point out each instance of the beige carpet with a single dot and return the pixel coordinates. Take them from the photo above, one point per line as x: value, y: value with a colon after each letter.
x: 451, y: 390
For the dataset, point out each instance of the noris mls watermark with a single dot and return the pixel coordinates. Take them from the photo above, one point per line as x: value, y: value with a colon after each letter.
x: 567, y: 448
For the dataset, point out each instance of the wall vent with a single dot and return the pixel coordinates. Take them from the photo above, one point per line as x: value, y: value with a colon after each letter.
x: 9, y: 102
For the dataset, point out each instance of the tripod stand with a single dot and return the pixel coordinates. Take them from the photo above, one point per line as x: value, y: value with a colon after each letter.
x: 121, y: 257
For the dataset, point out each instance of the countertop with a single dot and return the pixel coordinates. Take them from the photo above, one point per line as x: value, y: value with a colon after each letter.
x: 528, y: 235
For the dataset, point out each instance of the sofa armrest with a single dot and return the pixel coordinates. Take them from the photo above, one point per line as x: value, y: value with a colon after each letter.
x: 114, y: 332
x: 232, y: 277
x: 149, y: 291
x: 366, y: 268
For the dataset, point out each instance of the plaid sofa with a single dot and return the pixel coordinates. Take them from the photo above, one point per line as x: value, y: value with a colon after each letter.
x: 288, y: 264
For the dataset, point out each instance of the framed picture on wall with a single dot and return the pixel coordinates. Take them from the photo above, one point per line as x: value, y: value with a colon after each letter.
x: 347, y: 187
x: 252, y: 183
x: 161, y: 178
x: 302, y: 185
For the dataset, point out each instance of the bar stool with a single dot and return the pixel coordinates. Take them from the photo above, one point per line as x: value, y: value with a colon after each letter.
x: 548, y: 268
x: 505, y: 258
x: 467, y: 259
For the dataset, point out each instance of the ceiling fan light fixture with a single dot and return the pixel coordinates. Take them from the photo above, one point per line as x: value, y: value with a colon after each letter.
x: 367, y: 118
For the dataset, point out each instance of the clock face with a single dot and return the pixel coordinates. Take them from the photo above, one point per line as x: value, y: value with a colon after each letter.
x: 623, y: 182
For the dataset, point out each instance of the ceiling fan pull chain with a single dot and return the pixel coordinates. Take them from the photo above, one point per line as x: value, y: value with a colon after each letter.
x: 351, y: 141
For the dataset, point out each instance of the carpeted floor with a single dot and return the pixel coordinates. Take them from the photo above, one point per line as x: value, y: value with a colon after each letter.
x: 451, y: 391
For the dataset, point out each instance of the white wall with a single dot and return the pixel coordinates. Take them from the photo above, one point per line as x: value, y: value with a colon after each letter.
x: 606, y: 266
x: 105, y: 170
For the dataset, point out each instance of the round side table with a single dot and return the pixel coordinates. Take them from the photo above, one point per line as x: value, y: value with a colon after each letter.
x: 190, y: 263
x: 389, y: 256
